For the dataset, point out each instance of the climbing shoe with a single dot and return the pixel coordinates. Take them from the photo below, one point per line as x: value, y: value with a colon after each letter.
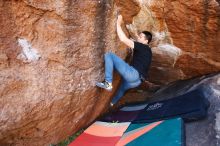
x: 105, y: 85
x: 111, y: 104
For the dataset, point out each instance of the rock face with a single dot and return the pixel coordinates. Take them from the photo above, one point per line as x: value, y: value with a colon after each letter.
x: 186, y: 37
x: 51, y: 54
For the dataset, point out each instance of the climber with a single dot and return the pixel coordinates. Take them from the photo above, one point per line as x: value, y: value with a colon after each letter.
x: 132, y: 75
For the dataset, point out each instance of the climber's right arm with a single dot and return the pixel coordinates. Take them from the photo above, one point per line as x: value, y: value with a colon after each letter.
x: 122, y: 35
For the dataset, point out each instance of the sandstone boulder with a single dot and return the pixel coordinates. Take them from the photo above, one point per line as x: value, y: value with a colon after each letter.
x: 51, y: 55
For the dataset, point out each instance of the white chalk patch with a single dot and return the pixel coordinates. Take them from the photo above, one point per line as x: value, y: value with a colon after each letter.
x: 170, y: 49
x: 140, y: 1
x: 28, y: 53
x: 160, y: 35
x: 217, y: 92
x: 217, y: 125
x: 213, y: 3
x: 218, y: 81
x: 148, y: 2
x: 161, y: 68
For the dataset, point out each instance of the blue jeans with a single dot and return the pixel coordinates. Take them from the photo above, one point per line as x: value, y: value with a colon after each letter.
x: 130, y: 76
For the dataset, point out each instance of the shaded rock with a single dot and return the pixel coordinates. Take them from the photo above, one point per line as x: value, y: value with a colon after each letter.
x: 188, y: 32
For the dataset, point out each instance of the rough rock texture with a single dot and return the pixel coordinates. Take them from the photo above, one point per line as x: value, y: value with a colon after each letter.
x: 186, y: 37
x: 51, y: 54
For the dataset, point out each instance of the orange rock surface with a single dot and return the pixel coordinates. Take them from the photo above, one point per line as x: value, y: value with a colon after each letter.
x: 51, y: 55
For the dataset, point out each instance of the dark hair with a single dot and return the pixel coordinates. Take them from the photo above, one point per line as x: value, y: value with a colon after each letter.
x: 148, y: 36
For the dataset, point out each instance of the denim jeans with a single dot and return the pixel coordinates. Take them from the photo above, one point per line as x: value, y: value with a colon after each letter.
x: 130, y: 76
